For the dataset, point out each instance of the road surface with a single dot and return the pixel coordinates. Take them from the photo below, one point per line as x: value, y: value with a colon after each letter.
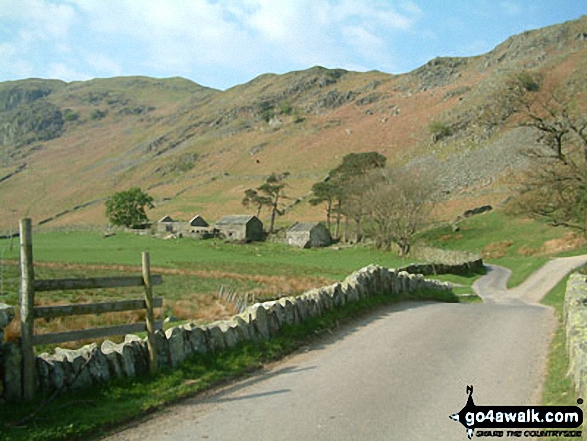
x: 397, y: 375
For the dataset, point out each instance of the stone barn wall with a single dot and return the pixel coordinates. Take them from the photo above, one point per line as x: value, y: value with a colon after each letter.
x: 308, y: 235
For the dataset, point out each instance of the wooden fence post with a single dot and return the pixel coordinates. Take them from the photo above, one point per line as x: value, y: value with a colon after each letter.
x: 150, y: 319
x: 27, y: 300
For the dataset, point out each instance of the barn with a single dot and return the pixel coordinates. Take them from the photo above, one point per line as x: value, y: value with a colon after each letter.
x: 308, y: 235
x: 197, y: 221
x: 166, y: 225
x: 240, y: 227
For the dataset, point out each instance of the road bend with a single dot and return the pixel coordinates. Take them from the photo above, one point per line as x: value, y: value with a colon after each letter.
x: 396, y: 375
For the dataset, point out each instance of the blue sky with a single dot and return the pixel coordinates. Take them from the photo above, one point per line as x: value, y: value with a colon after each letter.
x: 221, y: 43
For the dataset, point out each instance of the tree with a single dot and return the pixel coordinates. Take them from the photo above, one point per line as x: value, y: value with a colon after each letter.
x: 127, y: 208
x: 324, y: 191
x: 273, y: 189
x: 253, y: 198
x: 554, y: 187
x: 269, y: 194
x: 337, y: 188
x: 397, y: 205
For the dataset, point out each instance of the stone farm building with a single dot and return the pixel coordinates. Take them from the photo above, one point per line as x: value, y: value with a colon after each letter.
x: 166, y: 225
x: 196, y: 226
x: 240, y: 227
x: 308, y: 235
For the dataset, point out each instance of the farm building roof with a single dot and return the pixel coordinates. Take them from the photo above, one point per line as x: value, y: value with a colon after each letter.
x: 300, y: 227
x: 196, y: 217
x: 166, y: 218
x: 235, y: 219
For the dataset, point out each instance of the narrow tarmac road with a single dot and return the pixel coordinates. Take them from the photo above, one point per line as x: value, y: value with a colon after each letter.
x: 397, y: 375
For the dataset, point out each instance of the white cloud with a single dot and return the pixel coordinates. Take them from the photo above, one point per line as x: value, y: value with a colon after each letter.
x: 102, y: 64
x: 66, y: 73
x: 510, y: 8
x: 12, y: 66
x: 183, y: 37
x: 39, y: 18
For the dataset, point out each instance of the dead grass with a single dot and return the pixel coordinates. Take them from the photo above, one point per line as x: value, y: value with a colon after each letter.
x: 202, y: 309
x: 182, y: 301
x: 497, y: 249
x: 569, y: 241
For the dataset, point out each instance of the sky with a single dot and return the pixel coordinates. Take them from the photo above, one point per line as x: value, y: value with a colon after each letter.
x: 222, y: 43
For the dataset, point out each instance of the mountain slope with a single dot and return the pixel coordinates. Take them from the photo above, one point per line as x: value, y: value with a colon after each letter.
x: 65, y: 147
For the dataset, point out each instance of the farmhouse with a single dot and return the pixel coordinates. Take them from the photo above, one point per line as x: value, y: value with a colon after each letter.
x: 308, y: 235
x: 240, y: 227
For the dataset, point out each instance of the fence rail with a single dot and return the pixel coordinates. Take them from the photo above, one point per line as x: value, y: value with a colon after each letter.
x: 82, y: 334
x: 29, y: 312
x: 94, y: 283
x: 49, y: 312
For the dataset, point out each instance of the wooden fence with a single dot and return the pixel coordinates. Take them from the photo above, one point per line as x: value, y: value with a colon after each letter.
x: 29, y: 312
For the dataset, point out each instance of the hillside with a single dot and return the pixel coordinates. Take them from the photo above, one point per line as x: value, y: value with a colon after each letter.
x: 64, y: 147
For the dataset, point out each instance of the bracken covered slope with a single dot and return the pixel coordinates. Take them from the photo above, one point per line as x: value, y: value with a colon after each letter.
x: 65, y: 147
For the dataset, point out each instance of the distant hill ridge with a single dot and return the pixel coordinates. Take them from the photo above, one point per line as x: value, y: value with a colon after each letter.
x: 196, y: 149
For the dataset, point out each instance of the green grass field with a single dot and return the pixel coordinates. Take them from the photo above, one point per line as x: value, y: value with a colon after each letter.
x: 522, y: 245
x: 202, y: 266
x: 255, y: 258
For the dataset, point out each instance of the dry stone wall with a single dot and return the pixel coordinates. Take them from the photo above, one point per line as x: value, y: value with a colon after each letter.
x: 444, y: 268
x: 575, y: 316
x: 92, y: 364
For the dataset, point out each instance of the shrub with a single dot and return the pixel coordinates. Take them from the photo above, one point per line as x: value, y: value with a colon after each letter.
x: 439, y: 130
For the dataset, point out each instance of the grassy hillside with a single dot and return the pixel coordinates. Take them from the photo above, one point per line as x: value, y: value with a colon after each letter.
x: 64, y: 148
x: 521, y: 245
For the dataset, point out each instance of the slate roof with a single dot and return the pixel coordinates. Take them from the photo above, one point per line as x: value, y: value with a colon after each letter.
x: 235, y: 219
x: 301, y: 227
x: 196, y: 217
x: 166, y: 218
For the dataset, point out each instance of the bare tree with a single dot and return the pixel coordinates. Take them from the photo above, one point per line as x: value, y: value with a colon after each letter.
x: 554, y: 188
x: 397, y: 205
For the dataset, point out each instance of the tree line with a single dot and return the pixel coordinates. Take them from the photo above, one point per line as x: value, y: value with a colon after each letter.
x: 361, y: 197
x: 361, y: 194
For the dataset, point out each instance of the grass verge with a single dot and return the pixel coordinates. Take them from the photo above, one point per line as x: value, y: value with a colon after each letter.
x: 92, y: 412
x: 522, y: 245
x: 558, y: 388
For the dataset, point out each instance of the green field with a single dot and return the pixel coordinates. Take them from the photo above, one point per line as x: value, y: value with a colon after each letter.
x: 522, y: 245
x: 254, y: 258
x: 273, y: 269
x: 193, y: 271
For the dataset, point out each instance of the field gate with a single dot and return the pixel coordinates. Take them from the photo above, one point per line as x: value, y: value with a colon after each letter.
x: 29, y: 312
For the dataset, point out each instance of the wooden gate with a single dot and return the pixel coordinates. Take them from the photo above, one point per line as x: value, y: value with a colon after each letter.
x: 29, y: 312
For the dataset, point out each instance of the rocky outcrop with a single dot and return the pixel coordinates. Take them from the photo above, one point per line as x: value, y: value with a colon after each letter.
x: 39, y: 121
